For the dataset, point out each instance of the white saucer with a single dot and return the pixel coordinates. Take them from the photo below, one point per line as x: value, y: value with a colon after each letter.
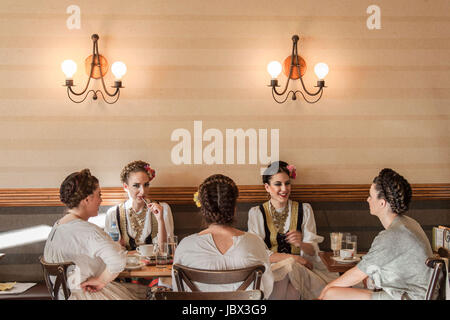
x: 135, y: 267
x: 340, y: 260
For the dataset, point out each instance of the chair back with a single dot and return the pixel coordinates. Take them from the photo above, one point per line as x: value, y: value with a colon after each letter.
x: 438, y: 279
x: 189, y: 275
x: 198, y: 295
x: 58, y: 270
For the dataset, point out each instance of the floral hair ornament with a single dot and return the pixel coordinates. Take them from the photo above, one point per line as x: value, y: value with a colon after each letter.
x: 196, y: 200
x: 150, y: 171
x: 292, y: 171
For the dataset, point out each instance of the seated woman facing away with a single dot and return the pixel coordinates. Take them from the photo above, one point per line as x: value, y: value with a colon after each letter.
x: 220, y: 246
x: 139, y: 220
x: 289, y: 230
x: 97, y: 257
x: 396, y: 259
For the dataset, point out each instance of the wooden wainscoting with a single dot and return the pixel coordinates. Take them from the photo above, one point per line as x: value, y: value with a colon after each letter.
x: 37, y: 197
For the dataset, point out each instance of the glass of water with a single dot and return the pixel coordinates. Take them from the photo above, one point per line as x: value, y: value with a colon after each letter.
x: 172, y: 242
x: 161, y: 255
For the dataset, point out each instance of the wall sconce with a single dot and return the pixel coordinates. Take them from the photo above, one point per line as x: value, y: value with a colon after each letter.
x: 96, y: 67
x: 295, y: 68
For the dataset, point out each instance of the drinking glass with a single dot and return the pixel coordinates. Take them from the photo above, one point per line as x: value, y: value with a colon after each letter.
x: 346, y: 240
x: 172, y: 242
x: 336, y: 241
x: 354, y: 246
x: 161, y: 255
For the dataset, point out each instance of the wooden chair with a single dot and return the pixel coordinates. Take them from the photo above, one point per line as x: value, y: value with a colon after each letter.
x: 188, y: 275
x: 59, y: 270
x: 198, y: 295
x: 439, y: 275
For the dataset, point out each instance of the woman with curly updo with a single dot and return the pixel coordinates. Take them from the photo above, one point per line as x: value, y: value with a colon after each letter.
x: 98, y: 259
x: 396, y: 259
x: 289, y: 230
x: 221, y: 246
x: 140, y: 220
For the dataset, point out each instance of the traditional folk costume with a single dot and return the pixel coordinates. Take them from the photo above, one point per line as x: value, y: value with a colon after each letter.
x: 138, y: 228
x: 92, y: 250
x: 271, y: 225
x: 200, y: 252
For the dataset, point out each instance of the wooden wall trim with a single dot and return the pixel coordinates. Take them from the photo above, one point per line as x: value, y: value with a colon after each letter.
x: 36, y: 197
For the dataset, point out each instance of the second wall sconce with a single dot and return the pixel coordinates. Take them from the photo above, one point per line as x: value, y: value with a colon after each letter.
x: 96, y: 67
x: 295, y: 68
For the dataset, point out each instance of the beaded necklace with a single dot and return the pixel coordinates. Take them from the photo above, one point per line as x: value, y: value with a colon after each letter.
x: 279, y: 219
x: 137, y: 221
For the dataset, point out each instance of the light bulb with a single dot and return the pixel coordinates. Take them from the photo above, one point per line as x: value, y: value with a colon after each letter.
x: 321, y: 70
x: 69, y: 67
x: 274, y: 69
x: 118, y: 68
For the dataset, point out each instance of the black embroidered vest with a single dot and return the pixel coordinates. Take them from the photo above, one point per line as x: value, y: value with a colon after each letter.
x: 276, y: 241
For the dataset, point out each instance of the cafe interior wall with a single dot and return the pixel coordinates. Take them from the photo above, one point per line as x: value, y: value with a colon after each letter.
x: 385, y: 105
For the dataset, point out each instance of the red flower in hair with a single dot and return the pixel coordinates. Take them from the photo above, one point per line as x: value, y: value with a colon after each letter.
x: 292, y: 171
x: 150, y: 171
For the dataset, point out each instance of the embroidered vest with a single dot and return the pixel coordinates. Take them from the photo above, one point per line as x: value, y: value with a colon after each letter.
x: 275, y: 241
x: 130, y: 242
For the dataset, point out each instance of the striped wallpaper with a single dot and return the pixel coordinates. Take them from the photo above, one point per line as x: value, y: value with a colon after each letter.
x: 386, y: 105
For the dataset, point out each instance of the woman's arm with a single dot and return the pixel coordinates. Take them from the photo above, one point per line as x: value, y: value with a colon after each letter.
x: 157, y: 210
x: 276, y: 257
x: 348, y: 279
x: 96, y: 284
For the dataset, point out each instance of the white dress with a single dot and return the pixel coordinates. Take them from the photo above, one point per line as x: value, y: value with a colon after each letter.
x: 308, y: 283
x: 111, y: 217
x: 200, y: 252
x: 92, y: 251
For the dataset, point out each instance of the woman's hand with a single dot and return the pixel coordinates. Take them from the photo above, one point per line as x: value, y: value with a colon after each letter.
x: 157, y: 210
x: 92, y: 285
x: 294, y: 237
x: 303, y: 261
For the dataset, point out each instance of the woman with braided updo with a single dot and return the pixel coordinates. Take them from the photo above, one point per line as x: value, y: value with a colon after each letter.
x: 289, y: 230
x: 140, y: 220
x: 221, y: 246
x: 396, y: 259
x: 98, y: 259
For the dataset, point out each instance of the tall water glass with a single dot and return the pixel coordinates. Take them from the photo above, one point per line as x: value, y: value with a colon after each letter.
x: 161, y: 256
x: 354, y: 245
x: 336, y: 241
x: 172, y: 242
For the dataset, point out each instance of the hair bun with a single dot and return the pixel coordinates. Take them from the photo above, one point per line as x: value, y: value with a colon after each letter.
x: 76, y: 187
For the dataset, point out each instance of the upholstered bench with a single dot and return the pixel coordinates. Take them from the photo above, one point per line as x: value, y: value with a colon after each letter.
x: 37, y: 292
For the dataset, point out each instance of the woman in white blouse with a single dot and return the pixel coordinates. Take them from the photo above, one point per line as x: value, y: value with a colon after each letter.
x: 140, y: 221
x: 98, y: 259
x: 289, y: 230
x: 220, y: 246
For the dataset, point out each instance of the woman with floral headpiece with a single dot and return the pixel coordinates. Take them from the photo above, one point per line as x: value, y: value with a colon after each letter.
x: 289, y: 230
x: 139, y: 220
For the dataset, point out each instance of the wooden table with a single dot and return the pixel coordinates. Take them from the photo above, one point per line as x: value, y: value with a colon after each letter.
x: 146, y: 271
x: 334, y: 266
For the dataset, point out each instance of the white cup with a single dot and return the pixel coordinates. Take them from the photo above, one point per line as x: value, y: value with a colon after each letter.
x: 346, y: 254
x: 145, y: 250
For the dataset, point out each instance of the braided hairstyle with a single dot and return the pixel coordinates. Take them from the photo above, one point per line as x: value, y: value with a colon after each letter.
x: 393, y: 188
x: 273, y: 169
x: 136, y: 166
x: 217, y: 195
x: 77, y: 187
